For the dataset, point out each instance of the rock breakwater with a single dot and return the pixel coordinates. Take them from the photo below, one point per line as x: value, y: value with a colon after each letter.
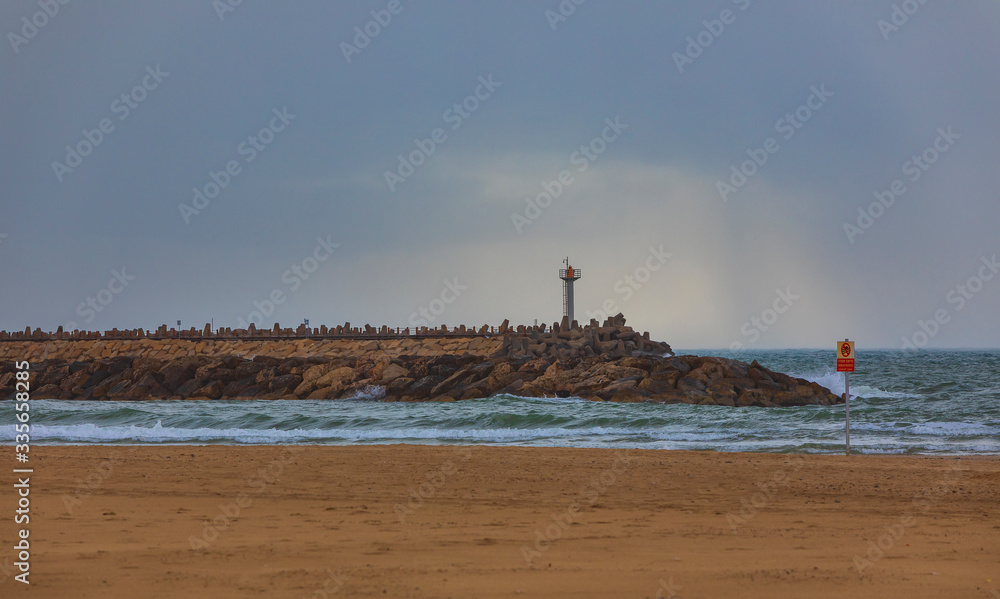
x: 610, y: 362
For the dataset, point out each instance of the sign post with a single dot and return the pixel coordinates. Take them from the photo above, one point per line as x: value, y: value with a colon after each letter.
x: 845, y: 364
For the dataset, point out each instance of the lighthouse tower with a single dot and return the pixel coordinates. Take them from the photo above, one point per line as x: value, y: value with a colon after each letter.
x: 568, y: 275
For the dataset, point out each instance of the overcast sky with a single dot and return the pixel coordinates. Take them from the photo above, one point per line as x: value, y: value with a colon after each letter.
x: 395, y: 166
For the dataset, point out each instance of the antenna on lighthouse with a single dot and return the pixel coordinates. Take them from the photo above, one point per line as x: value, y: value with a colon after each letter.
x: 568, y: 275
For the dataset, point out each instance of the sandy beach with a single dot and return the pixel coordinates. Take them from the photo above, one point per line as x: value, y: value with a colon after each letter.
x: 421, y: 521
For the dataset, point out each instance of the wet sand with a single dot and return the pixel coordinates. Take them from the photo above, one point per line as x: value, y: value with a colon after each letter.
x: 417, y: 521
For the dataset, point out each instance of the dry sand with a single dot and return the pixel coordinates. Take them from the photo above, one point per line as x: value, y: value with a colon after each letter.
x: 415, y: 521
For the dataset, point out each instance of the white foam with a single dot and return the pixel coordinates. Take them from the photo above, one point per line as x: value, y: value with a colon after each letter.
x: 539, y: 399
x: 933, y: 429
x: 90, y: 433
x: 834, y: 382
x: 368, y: 392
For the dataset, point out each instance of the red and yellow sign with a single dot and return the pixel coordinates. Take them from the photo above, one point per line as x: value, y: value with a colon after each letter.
x: 845, y: 356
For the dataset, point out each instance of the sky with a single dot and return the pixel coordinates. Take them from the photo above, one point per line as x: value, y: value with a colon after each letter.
x: 727, y: 173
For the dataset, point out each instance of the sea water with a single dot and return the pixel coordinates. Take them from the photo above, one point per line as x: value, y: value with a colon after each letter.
x: 903, y: 402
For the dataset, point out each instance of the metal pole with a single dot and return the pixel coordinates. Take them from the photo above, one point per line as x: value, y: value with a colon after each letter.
x: 847, y: 409
x: 569, y: 300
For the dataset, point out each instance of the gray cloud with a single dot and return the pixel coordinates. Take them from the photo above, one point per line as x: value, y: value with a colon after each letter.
x: 657, y: 184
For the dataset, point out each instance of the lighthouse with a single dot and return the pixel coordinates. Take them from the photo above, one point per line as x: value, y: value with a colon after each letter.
x: 568, y: 275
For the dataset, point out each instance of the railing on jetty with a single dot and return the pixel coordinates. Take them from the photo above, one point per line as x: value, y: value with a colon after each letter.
x: 345, y: 331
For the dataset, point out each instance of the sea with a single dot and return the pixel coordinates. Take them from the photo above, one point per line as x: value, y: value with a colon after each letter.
x: 943, y: 402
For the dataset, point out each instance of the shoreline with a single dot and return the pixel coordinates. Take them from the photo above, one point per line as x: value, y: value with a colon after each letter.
x: 854, y: 453
x: 486, y: 521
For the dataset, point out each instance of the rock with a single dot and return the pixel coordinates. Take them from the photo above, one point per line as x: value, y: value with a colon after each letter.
x: 49, y: 391
x: 94, y: 378
x: 74, y: 379
x: 511, y: 389
x: 247, y: 370
x: 622, y: 388
x: 324, y: 393
x: 688, y: 385
x: 234, y: 388
x: 455, y: 379
x: 143, y: 365
x: 107, y: 384
x: 751, y: 397
x: 119, y: 391
x: 641, y: 363
x: 398, y: 386
x: 251, y: 392
x: 212, y: 390
x: 422, y: 388
x: 146, y: 388
x: 658, y: 388
x: 336, y: 376
x: 189, y: 387
x: 174, y: 375
x: 723, y: 393
x: 392, y: 372
x: 78, y: 366
x: 291, y: 366
x: 302, y: 391
x: 265, y: 375
x: 54, y: 374
x: 285, y: 381
x: 147, y: 380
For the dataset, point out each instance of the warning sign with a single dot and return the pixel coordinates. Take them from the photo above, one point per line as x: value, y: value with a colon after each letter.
x: 845, y: 356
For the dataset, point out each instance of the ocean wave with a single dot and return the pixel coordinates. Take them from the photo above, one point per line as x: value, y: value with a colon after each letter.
x: 508, y: 396
x: 935, y: 403
x: 934, y: 429
x: 367, y: 393
x: 834, y: 382
x: 91, y: 433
